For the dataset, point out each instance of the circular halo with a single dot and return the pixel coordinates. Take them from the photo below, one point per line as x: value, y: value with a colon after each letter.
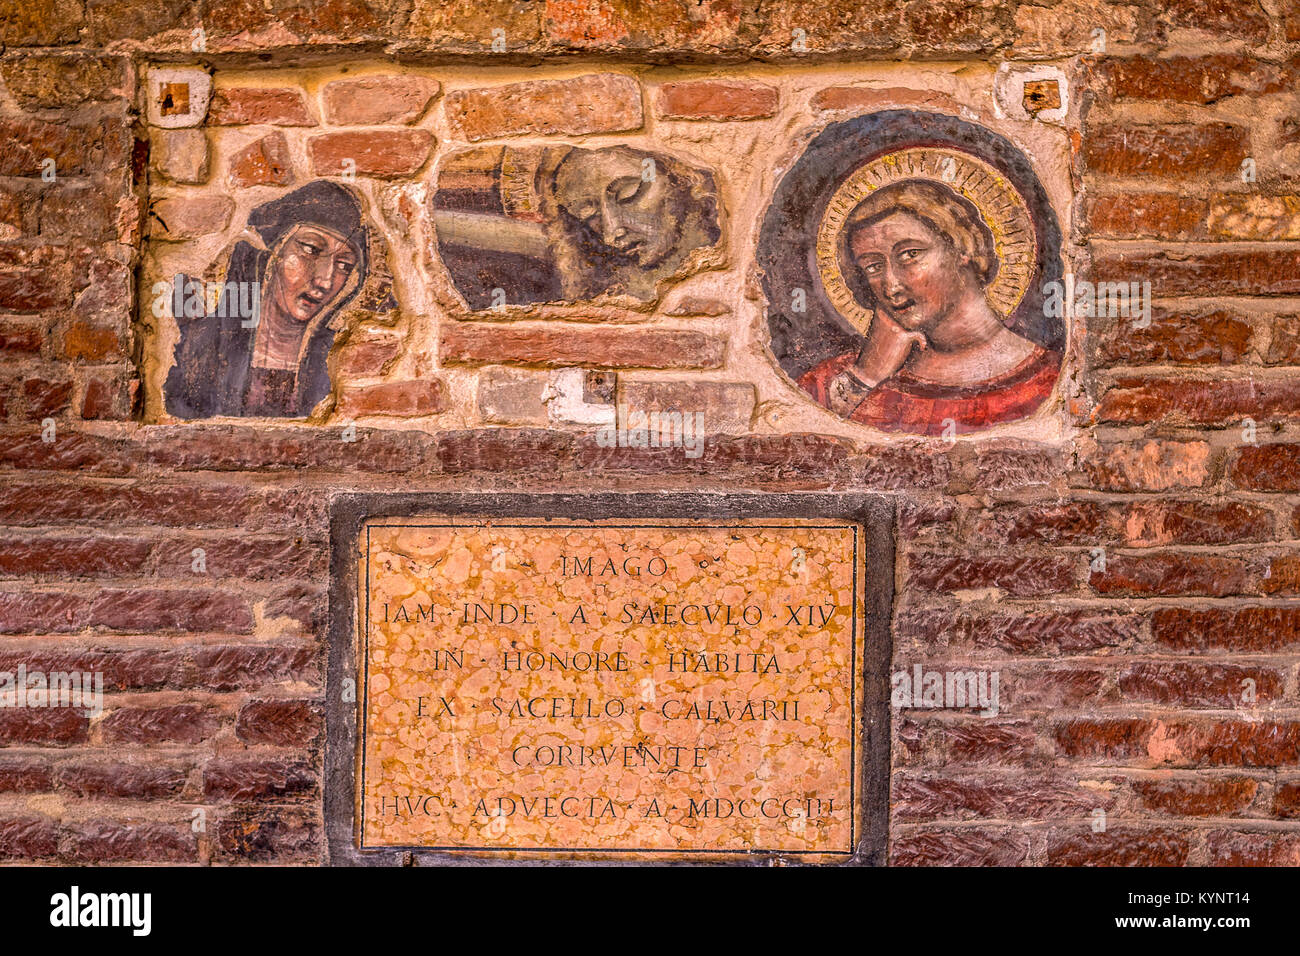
x: 999, y: 203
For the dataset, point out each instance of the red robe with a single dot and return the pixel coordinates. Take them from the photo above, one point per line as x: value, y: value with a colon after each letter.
x: 903, y: 403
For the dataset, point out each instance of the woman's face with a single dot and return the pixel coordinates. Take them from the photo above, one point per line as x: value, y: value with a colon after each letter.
x: 915, y: 274
x: 313, y: 266
x: 621, y: 197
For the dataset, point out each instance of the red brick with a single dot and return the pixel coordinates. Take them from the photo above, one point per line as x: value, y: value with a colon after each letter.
x: 108, y: 396
x: 79, y: 502
x: 143, y: 842
x: 44, y: 397
x: 407, y: 399
x: 91, y: 342
x: 124, y: 610
x: 1137, y: 524
x: 1173, y: 574
x: 21, y: 337
x: 1268, y: 848
x: 239, y: 106
x: 81, y: 211
x: 385, y: 154
x: 73, y: 557
x: 253, y: 836
x: 1004, y: 468
x: 41, y: 22
x: 1248, y: 629
x: 1252, y: 216
x: 501, y: 450
x: 966, y: 846
x: 1056, y: 633
x: 869, y: 98
x: 27, y: 838
x: 1117, y: 738
x: 1119, y: 846
x: 974, y: 740
x: 716, y: 100
x: 1273, y: 467
x: 1176, y: 151
x: 1286, y: 798
x: 130, y: 781
x: 252, y: 665
x: 372, y: 100
x: 1020, y: 797
x: 1254, y: 272
x: 462, y: 343
x: 244, y: 780
x: 1283, y: 575
x: 263, y: 162
x: 1219, y: 18
x: 25, y: 776
x: 596, y: 103
x: 1143, y: 215
x: 50, y: 727
x: 242, y: 556
x: 1283, y: 340
x: 1153, y: 465
x: 78, y: 147
x: 179, y: 724
x: 176, y: 219
x: 1222, y: 402
x: 1196, y: 337
x: 122, y: 670
x: 1216, y: 742
x: 281, y: 723
x: 228, y: 448
x: 1198, y: 685
x: 1017, y: 575
x: 370, y: 352
x: 1193, y: 79
x: 1204, y: 797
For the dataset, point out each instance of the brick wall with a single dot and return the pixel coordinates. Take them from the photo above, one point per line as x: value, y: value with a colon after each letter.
x: 1173, y: 448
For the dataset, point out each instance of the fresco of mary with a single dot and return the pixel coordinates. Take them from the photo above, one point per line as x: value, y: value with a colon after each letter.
x: 920, y: 256
x: 306, y: 256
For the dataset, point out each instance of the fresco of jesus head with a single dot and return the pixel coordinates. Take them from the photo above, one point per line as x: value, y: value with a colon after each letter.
x: 918, y: 252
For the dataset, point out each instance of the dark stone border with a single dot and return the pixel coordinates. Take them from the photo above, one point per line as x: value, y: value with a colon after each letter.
x: 874, y: 514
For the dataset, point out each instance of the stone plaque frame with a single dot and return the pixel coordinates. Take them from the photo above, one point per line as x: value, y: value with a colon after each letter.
x: 873, y: 514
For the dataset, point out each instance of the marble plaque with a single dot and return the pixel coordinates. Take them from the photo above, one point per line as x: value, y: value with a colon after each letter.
x: 621, y: 688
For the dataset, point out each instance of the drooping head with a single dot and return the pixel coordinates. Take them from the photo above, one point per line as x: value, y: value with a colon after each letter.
x: 916, y: 250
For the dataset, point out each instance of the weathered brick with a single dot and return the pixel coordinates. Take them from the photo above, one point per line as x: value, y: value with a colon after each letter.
x: 126, y: 780
x: 62, y: 81
x: 1119, y: 846
x: 474, y: 344
x: 370, y: 352
x: 380, y: 153
x: 1254, y: 272
x: 40, y: 22
x: 27, y: 838
x: 1193, y: 337
x: 1020, y: 576
x: 239, y: 106
x: 72, y: 557
x: 371, y: 100
x: 918, y: 797
x: 716, y: 100
x: 44, y: 397
x: 252, y: 665
x: 1267, y: 848
x: 178, y: 219
x: 414, y: 399
x: 1175, y: 152
x: 1147, y: 215
x: 726, y: 407
x: 1223, y: 402
x: 1198, y: 685
x: 83, y: 146
x: 182, y: 155
x: 49, y: 727
x: 1251, y: 216
x: 1193, y: 79
x: 263, y: 162
x: 108, y: 395
x: 181, y: 724
x: 596, y: 103
x: 1218, y: 18
x: 19, y: 336
x: 1248, y: 629
x: 252, y: 836
x: 90, y: 342
x: 1055, y: 633
x: 967, y: 846
x: 512, y: 396
x: 244, y: 780
x: 279, y: 722
x: 1174, y: 574
x: 1272, y: 467
x: 1212, y: 797
x: 143, y: 842
x: 25, y: 775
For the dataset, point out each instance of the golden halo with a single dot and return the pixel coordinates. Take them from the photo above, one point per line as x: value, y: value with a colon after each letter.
x: 999, y: 203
